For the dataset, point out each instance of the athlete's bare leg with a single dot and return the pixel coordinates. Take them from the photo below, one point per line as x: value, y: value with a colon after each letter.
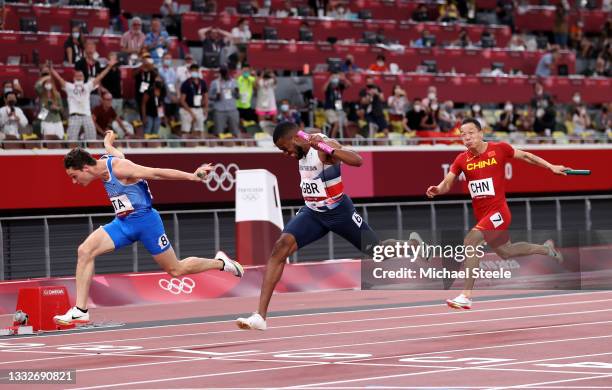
x: 518, y: 249
x: 98, y: 243
x: 283, y: 248
x: 473, y: 239
x: 190, y: 265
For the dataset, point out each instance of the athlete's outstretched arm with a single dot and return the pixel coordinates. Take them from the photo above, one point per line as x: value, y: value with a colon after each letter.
x: 125, y: 169
x: 444, y: 186
x: 539, y: 161
x: 109, y: 138
x: 347, y: 156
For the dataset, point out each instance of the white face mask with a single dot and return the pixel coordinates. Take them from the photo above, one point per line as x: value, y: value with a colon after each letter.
x: 195, y: 75
x: 285, y: 107
x: 48, y: 86
x: 149, y: 60
x: 434, y: 107
x: 417, y: 108
x: 431, y: 96
x: 476, y: 108
x: 79, y: 82
x: 75, y: 35
x: 508, y: 107
x: 380, y: 63
x: 576, y: 99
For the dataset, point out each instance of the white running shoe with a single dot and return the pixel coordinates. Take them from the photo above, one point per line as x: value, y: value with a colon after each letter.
x: 553, y: 252
x: 72, y: 316
x: 426, y: 255
x: 461, y: 302
x: 229, y: 265
x: 255, y: 321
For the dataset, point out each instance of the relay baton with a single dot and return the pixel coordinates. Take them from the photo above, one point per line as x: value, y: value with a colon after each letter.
x: 583, y: 172
x: 322, y: 145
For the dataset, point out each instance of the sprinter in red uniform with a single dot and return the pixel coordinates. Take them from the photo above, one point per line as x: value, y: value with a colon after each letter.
x: 483, y: 165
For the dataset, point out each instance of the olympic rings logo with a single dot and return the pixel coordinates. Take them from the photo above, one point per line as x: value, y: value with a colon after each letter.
x: 177, y: 286
x: 221, y: 177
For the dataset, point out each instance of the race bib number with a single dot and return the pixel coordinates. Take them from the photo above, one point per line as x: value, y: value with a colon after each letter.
x: 42, y: 115
x: 496, y: 219
x: 483, y: 187
x: 197, y: 100
x: 122, y: 204
x: 313, y: 188
x: 357, y: 219
x: 227, y: 94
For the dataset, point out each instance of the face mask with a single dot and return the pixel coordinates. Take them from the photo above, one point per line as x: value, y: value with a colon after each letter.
x: 285, y: 107
x: 335, y: 80
x: 380, y: 63
x: 431, y: 96
x: 75, y: 35
x: 48, y: 86
x: 96, y: 56
x: 340, y: 10
x: 434, y: 107
x: 168, y: 62
x: 195, y: 75
x: 79, y: 82
x: 508, y: 107
x: 576, y: 99
x: 8, y: 90
x: 476, y: 108
x: 245, y: 74
x: 417, y: 108
x: 149, y: 61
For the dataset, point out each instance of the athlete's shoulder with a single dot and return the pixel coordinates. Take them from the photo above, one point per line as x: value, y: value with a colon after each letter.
x: 504, y: 147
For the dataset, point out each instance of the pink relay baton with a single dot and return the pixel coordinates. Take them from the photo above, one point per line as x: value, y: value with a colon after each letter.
x: 322, y: 145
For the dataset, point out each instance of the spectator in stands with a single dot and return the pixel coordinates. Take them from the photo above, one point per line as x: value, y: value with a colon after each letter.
x: 114, y: 10
x: 339, y: 11
x: 429, y: 121
x: 170, y: 11
x: 79, y: 106
x: 241, y: 33
x: 287, y: 11
x: 463, y: 40
x: 90, y: 67
x: 73, y: 47
x: 398, y: 105
x: 415, y: 115
x: 349, y: 65
x: 224, y: 92
x: 106, y: 118
x: 476, y: 113
x: 50, y: 111
x: 487, y: 39
x: 12, y: 118
x: 603, y: 120
x: 581, y: 120
x: 544, y: 111
x: 152, y: 109
x: 170, y: 78
x: 334, y: 90
x: 517, y: 43
x: 213, y: 41
x: 561, y: 26
x: 576, y: 34
x: 144, y: 78
x: 508, y: 119
x: 183, y: 72
x: 448, y: 12
x: 547, y: 63
x: 426, y: 40
x: 11, y: 87
x: 421, y: 14
x: 446, y: 117
x: 265, y: 106
x: 380, y: 65
x: 133, y: 41
x: 289, y: 114
x: 113, y: 83
x: 601, y: 69
x: 194, y: 104
x: 156, y: 41
x: 247, y: 83
x: 319, y: 7
x: 375, y: 110
x: 505, y: 12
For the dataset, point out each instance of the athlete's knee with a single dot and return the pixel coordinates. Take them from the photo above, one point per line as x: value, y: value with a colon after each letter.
x: 85, y: 253
x: 282, y: 248
x: 502, y: 252
x: 176, y: 270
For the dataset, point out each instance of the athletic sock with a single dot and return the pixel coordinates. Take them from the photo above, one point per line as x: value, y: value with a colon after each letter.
x: 82, y: 310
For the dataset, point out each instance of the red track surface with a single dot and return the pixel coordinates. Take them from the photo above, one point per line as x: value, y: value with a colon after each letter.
x: 556, y: 341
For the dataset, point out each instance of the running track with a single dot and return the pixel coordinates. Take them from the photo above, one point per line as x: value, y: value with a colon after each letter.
x: 339, y: 340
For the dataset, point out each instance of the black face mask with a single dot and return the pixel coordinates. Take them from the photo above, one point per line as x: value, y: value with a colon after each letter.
x: 11, y: 103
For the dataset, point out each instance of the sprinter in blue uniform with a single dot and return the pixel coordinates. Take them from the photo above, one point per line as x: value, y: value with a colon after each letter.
x: 135, y: 220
